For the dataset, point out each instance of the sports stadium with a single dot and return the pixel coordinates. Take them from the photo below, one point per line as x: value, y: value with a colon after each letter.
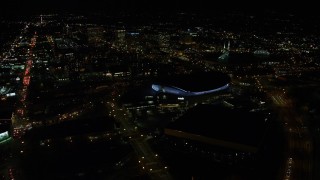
x: 193, y: 84
x: 4, y: 130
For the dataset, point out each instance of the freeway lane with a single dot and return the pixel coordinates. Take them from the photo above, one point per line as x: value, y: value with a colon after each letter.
x: 299, y: 141
x: 149, y: 161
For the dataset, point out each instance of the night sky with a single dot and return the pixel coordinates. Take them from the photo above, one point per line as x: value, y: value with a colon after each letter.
x: 17, y: 7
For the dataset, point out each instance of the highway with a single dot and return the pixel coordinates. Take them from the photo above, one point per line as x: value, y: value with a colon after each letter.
x: 149, y: 161
x: 299, y: 160
x: 19, y: 120
x: 9, y: 170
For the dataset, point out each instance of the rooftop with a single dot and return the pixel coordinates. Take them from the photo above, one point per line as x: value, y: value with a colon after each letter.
x: 196, y: 82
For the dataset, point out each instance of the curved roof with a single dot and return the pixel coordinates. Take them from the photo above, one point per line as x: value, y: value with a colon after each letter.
x: 4, y: 90
x: 195, y: 82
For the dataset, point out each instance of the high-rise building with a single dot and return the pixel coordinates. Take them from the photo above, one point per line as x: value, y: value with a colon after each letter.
x: 121, y: 34
x: 96, y: 36
x: 225, y: 53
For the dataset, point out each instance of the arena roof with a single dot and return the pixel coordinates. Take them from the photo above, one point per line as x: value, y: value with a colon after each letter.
x: 195, y: 82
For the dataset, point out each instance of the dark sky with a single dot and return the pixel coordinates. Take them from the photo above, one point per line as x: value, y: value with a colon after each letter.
x: 9, y: 7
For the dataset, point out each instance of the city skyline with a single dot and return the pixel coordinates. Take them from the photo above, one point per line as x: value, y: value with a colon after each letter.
x: 142, y: 92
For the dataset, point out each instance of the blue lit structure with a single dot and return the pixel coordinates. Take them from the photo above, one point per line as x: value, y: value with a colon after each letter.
x: 4, y: 137
x: 182, y: 92
x: 193, y: 84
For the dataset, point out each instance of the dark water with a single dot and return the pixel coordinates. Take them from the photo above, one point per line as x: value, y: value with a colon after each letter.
x: 185, y: 164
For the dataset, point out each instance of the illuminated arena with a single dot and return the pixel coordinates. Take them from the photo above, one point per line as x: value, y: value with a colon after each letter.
x: 193, y: 84
x: 4, y: 130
